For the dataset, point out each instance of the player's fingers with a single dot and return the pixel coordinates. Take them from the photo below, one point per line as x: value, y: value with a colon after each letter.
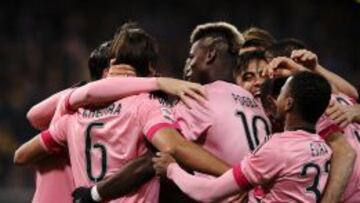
x: 185, y: 100
x: 199, y: 89
x: 195, y: 96
x: 341, y: 118
x: 345, y: 123
x: 336, y: 114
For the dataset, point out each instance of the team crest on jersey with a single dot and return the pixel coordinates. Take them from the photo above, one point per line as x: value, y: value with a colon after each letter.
x: 167, y: 114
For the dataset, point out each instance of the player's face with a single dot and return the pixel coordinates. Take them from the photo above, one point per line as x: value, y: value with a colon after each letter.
x: 282, y: 100
x: 251, y: 79
x: 195, y: 63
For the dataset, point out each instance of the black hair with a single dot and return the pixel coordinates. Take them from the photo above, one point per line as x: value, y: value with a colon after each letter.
x: 284, y: 48
x: 311, y: 93
x: 99, y: 60
x: 257, y: 37
x: 135, y: 47
x: 271, y: 87
x: 245, y: 58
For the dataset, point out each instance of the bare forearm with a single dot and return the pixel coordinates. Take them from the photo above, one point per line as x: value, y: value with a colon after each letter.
x: 340, y: 84
x: 342, y: 163
x: 134, y: 174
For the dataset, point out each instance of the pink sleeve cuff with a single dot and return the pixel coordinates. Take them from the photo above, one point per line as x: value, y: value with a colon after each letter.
x: 151, y: 132
x: 240, y: 178
x: 329, y: 130
x: 48, y: 142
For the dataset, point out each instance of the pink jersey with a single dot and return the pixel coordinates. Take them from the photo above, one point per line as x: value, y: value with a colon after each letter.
x: 352, y: 133
x: 101, y: 141
x: 55, y: 170
x: 291, y: 167
x: 230, y: 125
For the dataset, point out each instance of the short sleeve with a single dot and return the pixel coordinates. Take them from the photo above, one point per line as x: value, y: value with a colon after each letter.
x: 325, y: 127
x: 54, y: 138
x: 153, y: 116
x: 260, y: 167
x: 196, y: 121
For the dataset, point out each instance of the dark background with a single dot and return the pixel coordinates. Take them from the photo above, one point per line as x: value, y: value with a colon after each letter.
x: 44, y: 48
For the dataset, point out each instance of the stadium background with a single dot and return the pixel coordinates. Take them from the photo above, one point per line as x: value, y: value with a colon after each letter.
x: 44, y: 48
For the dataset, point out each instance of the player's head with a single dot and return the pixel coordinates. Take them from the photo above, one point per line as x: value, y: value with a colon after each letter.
x: 257, y: 38
x: 304, y: 96
x: 99, y: 61
x: 133, y: 46
x: 270, y: 91
x: 214, y: 51
x: 284, y: 48
x: 248, y: 73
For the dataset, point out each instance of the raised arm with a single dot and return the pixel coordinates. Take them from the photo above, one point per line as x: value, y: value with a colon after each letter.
x: 310, y: 60
x: 198, y: 188
x: 114, y: 88
x: 40, y: 115
x: 110, y: 89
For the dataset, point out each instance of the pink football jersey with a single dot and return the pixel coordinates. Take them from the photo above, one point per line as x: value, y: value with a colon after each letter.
x: 101, y: 141
x: 291, y: 167
x: 230, y: 124
x: 352, y: 133
x: 55, y: 169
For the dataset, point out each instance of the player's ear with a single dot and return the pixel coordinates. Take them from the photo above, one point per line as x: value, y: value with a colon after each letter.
x: 210, y: 56
x: 289, y: 104
x: 105, y: 73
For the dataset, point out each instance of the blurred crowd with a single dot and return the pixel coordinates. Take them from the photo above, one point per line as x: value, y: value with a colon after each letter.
x: 44, y: 46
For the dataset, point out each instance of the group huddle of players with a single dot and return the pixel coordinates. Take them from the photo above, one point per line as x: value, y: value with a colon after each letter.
x: 258, y: 120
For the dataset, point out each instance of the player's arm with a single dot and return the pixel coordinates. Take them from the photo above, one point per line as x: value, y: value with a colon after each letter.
x: 41, y: 114
x: 30, y: 152
x: 310, y: 60
x: 198, y: 188
x: 343, y: 115
x: 47, y: 142
x: 342, y: 163
x: 187, y: 153
x: 128, y: 178
x: 111, y: 89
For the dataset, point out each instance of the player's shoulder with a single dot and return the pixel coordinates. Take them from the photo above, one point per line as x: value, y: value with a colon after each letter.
x: 222, y: 87
x: 343, y: 98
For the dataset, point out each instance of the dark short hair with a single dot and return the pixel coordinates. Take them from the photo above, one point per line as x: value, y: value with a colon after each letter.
x: 257, y: 37
x: 311, y: 93
x: 99, y: 60
x: 284, y: 48
x: 245, y: 58
x: 132, y: 45
x: 271, y: 87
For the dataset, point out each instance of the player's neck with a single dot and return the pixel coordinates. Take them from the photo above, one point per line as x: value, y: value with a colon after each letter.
x: 295, y: 122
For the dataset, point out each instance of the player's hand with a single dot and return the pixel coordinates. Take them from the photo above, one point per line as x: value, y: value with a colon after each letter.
x: 161, y: 163
x: 342, y: 115
x: 123, y: 70
x: 183, y: 89
x: 282, y: 66
x: 306, y: 58
x: 82, y: 195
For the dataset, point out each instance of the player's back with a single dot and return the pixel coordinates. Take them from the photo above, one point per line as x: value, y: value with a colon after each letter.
x: 291, y: 167
x: 101, y: 141
x: 229, y: 125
